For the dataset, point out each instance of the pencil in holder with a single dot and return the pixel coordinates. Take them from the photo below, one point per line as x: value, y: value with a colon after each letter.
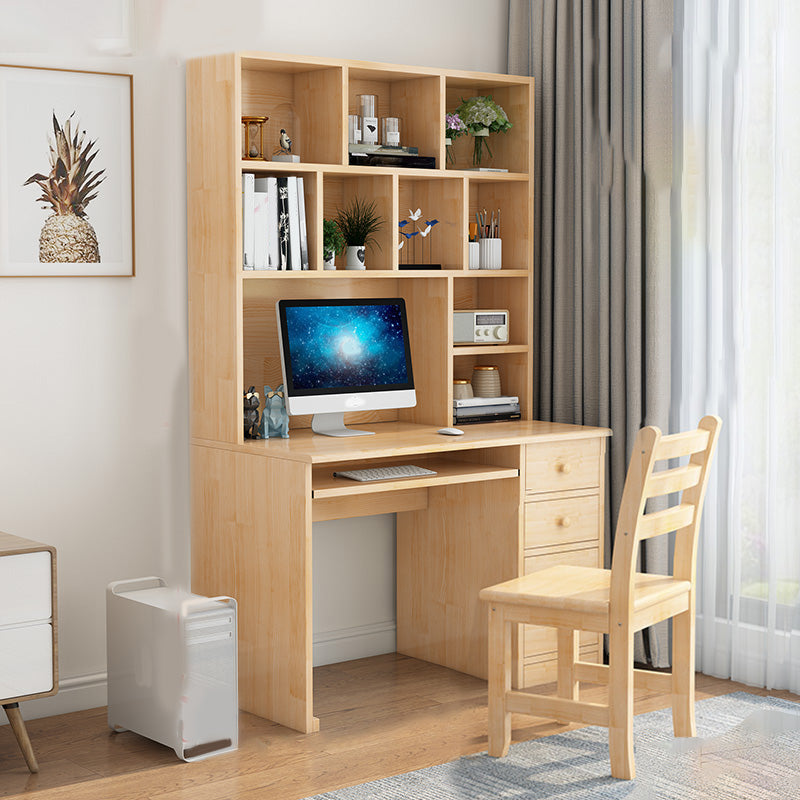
x: 491, y: 253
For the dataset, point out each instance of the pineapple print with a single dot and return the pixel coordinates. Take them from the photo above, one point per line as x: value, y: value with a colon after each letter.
x: 67, y: 236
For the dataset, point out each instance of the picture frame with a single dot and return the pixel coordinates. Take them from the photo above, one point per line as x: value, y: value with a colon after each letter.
x: 66, y: 173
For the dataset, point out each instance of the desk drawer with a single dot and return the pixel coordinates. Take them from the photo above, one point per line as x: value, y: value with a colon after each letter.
x: 559, y: 466
x: 25, y: 588
x: 564, y: 521
x: 539, y: 640
x: 583, y: 557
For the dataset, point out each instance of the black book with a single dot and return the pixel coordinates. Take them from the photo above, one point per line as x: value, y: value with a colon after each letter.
x: 284, y: 246
x: 498, y: 417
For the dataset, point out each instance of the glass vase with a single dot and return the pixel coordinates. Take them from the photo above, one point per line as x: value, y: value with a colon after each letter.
x: 481, y: 138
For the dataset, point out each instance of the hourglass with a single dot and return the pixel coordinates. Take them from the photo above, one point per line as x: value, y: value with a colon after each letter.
x: 253, y: 138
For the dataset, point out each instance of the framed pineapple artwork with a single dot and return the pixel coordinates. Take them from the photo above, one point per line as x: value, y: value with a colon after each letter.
x: 66, y: 173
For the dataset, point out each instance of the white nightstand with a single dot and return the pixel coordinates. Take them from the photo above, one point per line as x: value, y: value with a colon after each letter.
x: 28, y: 630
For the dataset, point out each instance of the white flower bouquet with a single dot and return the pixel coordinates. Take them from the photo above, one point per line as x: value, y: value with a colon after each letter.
x: 482, y: 116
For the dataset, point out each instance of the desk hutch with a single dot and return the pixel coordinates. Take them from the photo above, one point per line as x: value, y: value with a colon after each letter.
x: 507, y: 497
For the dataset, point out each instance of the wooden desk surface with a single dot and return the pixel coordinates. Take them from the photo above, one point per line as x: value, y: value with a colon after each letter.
x: 404, y: 438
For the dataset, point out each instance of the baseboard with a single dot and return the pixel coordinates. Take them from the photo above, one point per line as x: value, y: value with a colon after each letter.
x: 345, y: 644
x: 74, y: 694
x: 330, y: 647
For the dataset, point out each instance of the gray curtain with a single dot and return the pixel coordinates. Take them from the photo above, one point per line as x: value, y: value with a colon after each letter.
x: 603, y: 169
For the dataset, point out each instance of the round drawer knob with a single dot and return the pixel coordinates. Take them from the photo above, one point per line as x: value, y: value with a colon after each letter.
x: 565, y: 469
x: 564, y: 522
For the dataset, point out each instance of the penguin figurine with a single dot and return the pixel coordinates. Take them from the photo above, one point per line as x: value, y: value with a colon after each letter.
x: 286, y: 142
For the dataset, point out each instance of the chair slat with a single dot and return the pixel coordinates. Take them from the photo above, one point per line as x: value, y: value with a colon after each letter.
x: 672, y: 480
x: 667, y: 520
x: 540, y: 705
x: 682, y: 444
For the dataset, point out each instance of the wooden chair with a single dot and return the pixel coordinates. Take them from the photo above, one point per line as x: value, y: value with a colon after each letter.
x: 619, y: 602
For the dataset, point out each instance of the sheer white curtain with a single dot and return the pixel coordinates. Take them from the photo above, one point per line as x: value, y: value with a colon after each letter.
x: 736, y: 279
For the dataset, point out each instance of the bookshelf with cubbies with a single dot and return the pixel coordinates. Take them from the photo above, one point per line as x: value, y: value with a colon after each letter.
x: 311, y: 98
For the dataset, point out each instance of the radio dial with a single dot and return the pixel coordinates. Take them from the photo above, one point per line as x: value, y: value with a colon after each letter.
x: 500, y: 332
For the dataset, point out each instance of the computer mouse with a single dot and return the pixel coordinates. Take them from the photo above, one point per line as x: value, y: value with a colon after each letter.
x: 450, y: 431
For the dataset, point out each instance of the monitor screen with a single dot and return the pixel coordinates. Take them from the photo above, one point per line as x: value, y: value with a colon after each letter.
x: 345, y: 355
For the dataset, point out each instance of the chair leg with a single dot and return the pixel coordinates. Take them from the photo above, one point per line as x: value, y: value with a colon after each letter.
x: 567, y: 686
x: 620, y: 702
x: 499, y: 682
x: 683, y: 647
x: 20, y: 731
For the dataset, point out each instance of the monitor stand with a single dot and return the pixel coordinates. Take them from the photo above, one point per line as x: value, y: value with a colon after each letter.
x: 332, y: 424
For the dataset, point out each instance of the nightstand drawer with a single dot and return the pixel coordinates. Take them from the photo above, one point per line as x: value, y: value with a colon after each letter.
x: 25, y: 588
x: 558, y: 466
x: 563, y: 521
x: 26, y: 660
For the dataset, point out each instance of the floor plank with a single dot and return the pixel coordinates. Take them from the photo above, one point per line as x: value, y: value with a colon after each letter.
x: 378, y: 716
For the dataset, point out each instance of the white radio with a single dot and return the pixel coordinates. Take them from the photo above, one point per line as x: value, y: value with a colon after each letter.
x: 480, y: 326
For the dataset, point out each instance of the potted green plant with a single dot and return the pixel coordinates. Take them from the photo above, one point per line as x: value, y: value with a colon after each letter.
x: 332, y: 242
x: 359, y: 222
x: 482, y: 116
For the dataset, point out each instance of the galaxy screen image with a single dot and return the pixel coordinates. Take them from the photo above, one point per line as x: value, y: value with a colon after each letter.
x: 356, y: 347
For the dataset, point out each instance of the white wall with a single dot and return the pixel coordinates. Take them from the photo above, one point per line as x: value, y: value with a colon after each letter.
x: 93, y: 372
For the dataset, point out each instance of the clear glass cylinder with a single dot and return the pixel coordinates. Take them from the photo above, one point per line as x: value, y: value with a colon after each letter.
x: 354, y: 128
x: 369, y: 104
x: 390, y: 131
x: 369, y: 118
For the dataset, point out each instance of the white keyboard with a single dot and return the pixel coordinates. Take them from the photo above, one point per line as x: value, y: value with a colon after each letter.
x: 385, y: 473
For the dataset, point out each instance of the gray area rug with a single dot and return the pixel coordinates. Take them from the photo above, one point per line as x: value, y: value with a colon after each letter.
x: 747, y: 748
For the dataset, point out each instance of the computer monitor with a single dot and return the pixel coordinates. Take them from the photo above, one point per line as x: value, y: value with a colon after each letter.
x: 344, y: 355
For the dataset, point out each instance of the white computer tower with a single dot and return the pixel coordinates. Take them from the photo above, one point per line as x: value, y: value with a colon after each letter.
x: 172, y: 671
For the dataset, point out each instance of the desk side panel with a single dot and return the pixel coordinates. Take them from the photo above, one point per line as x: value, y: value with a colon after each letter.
x: 467, y: 538
x: 251, y: 539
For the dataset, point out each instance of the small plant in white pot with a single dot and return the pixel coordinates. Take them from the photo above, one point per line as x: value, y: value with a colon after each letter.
x: 359, y: 222
x: 332, y: 243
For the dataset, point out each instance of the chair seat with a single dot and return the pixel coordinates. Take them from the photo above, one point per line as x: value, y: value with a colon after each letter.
x: 583, y: 590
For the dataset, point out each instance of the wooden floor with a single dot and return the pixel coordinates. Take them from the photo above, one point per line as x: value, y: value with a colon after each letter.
x: 378, y: 716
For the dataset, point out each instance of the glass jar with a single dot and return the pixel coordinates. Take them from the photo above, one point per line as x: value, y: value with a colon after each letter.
x: 369, y: 118
x: 390, y: 131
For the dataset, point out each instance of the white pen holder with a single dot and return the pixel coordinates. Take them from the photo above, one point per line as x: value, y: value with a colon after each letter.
x: 491, y: 253
x: 474, y: 255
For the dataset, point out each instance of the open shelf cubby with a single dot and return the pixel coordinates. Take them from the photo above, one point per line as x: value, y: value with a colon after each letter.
x: 511, y: 150
x: 412, y: 97
x: 441, y: 202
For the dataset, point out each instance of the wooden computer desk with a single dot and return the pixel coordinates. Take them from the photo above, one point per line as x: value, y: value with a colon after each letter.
x: 508, y: 498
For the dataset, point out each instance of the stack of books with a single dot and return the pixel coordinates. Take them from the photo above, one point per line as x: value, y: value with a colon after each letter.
x: 274, y: 233
x: 485, y: 409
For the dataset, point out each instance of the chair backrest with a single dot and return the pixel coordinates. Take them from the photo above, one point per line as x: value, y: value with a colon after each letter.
x: 643, y: 482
